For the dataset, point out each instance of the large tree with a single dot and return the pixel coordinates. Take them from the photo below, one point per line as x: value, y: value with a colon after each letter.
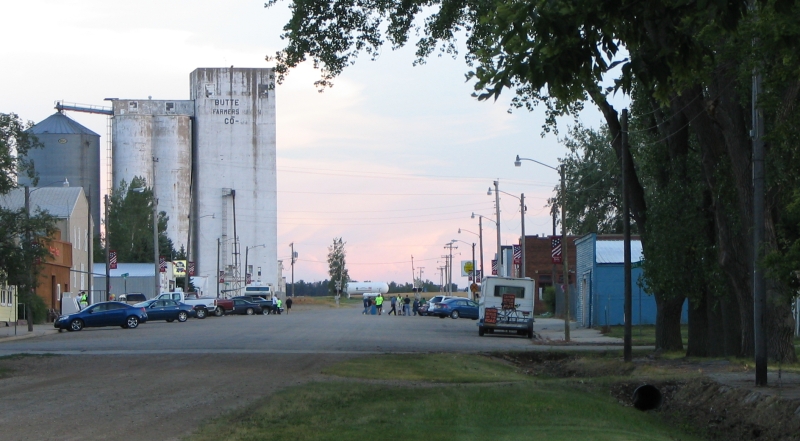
x: 130, y: 224
x: 692, y: 60
x: 23, y: 233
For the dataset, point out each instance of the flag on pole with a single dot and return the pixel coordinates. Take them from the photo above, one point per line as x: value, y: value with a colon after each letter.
x: 494, y: 267
x: 162, y: 264
x: 555, y: 249
x: 517, y: 254
x: 248, y: 279
x: 222, y: 277
x: 112, y: 259
x: 190, y: 269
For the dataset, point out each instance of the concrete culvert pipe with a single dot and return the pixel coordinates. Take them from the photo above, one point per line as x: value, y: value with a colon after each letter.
x: 647, y: 397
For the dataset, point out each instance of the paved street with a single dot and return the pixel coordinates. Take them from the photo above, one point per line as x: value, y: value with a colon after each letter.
x: 319, y: 330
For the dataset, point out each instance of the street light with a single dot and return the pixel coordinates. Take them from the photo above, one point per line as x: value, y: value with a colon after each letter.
x: 246, y: 252
x: 473, y: 255
x: 480, y: 239
x: 564, y: 248
x: 522, y: 210
x: 480, y: 236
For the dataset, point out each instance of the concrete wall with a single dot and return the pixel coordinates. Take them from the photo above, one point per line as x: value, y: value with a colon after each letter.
x: 234, y: 157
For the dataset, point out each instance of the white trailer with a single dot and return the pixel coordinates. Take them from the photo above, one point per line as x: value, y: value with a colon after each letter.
x: 506, y: 304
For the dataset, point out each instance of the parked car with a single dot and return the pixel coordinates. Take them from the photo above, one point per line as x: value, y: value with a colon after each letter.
x: 455, y: 308
x: 427, y: 308
x: 168, y: 310
x: 202, y: 305
x: 132, y: 298
x: 103, y: 314
x: 244, y: 307
x: 266, y: 304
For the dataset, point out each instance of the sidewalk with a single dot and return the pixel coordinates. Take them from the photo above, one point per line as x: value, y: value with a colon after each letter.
x: 551, y: 331
x: 10, y: 333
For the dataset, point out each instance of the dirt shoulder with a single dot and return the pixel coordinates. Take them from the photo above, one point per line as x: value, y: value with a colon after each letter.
x: 715, y: 399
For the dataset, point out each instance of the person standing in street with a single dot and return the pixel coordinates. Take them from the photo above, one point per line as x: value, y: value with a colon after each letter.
x: 288, y: 304
x: 416, y: 306
x: 366, y: 305
x: 406, y: 306
x: 379, y: 303
x: 393, y: 302
x: 84, y: 300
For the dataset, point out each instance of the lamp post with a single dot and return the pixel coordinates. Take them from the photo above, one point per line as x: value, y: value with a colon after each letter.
x: 480, y: 235
x: 246, y: 255
x: 474, y: 275
x: 564, y: 247
x: 473, y: 255
x: 522, y: 210
x: 497, y: 214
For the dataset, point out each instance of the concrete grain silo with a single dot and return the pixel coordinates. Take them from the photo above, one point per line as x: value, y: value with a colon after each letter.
x: 69, y: 151
x: 234, y: 166
x: 153, y: 139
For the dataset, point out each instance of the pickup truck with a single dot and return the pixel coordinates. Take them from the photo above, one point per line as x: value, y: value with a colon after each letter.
x: 202, y: 305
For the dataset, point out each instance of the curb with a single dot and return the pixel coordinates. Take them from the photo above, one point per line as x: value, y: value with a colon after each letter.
x: 27, y: 335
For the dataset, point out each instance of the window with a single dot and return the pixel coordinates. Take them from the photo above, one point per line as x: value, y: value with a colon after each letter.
x: 518, y: 291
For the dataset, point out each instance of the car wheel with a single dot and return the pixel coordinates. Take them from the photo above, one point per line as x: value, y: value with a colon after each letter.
x: 481, y: 331
x: 201, y: 313
x: 132, y: 322
x: 249, y: 311
x: 76, y: 325
x: 265, y: 311
x: 170, y: 320
x: 454, y: 315
x: 219, y: 312
x: 182, y: 316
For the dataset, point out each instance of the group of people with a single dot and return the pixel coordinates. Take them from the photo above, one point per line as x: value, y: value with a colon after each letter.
x: 400, y: 306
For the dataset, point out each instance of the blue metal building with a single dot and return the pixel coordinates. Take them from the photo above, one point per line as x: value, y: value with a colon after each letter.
x: 601, y: 283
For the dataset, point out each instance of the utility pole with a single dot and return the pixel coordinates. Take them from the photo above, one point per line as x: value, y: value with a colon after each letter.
x: 480, y: 239
x: 759, y: 283
x: 626, y: 230
x: 157, y: 265
x: 522, y: 209
x: 497, y: 209
x: 294, y: 257
x: 450, y: 265
x: 565, y: 252
x: 108, y: 246
x: 420, y: 281
x: 32, y: 281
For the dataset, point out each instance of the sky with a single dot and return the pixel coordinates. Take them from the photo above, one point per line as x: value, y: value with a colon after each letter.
x: 393, y: 159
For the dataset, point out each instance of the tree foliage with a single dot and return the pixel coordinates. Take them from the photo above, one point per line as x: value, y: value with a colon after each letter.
x: 130, y: 224
x: 337, y: 267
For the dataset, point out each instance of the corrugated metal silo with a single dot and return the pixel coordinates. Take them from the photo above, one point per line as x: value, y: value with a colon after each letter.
x: 70, y: 151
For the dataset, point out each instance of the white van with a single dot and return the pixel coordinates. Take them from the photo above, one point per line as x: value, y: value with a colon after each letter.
x: 506, y: 304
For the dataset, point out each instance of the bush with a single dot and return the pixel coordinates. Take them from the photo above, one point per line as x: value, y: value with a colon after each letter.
x: 550, y: 299
x: 38, y: 310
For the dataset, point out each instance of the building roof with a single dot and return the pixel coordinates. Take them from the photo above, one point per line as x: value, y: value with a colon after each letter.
x: 133, y: 270
x: 612, y: 251
x: 58, y: 201
x: 60, y: 124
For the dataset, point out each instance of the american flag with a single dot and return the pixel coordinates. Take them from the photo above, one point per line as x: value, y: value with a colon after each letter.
x: 555, y: 249
x: 517, y: 254
x: 494, y: 267
x: 162, y: 264
x: 112, y: 259
x: 190, y: 270
x: 248, y: 280
x: 222, y: 277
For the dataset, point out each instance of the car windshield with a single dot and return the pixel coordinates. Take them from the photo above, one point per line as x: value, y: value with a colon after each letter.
x: 144, y: 304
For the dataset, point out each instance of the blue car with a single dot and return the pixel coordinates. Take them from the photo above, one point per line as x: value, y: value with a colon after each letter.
x: 455, y: 308
x: 165, y: 309
x: 103, y: 314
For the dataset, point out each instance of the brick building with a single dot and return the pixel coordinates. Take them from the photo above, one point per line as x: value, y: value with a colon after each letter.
x: 539, y: 265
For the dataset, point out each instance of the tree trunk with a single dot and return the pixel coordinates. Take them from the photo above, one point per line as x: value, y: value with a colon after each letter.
x: 701, y: 337
x: 668, y: 323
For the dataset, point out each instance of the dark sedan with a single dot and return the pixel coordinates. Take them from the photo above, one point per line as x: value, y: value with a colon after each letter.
x: 241, y: 306
x: 168, y: 310
x: 455, y: 308
x: 103, y: 314
x: 266, y: 305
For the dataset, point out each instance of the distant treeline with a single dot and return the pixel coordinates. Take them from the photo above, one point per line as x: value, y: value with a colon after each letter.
x: 311, y: 289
